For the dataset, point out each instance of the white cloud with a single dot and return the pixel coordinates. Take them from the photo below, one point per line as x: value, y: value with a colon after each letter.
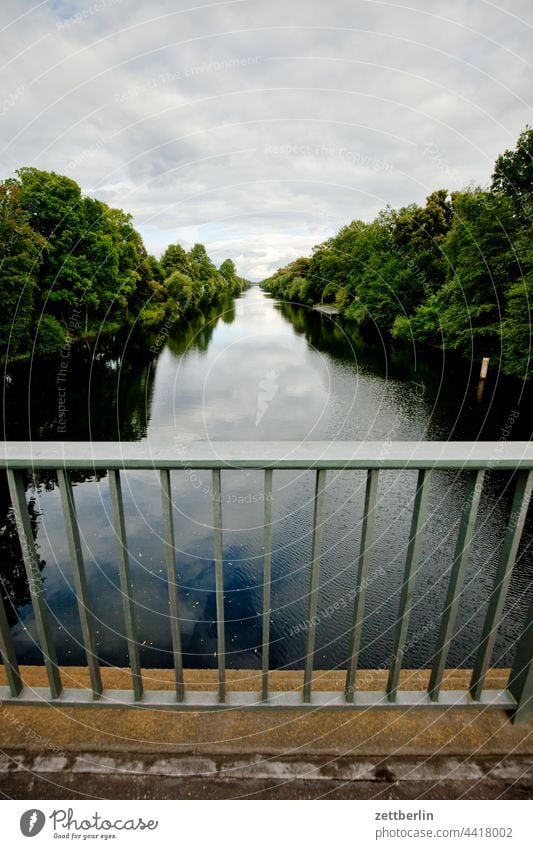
x: 259, y: 128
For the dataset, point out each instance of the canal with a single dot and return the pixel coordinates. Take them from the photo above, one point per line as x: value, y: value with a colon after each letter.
x: 257, y: 369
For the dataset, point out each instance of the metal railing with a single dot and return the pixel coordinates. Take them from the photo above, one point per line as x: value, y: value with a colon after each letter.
x: 473, y: 457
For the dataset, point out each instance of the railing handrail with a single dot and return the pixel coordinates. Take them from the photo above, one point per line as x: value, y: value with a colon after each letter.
x: 263, y: 455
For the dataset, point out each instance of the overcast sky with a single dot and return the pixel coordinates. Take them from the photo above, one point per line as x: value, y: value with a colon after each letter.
x: 259, y: 127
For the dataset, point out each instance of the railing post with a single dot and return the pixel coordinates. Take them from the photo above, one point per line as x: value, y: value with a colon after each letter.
x: 7, y: 651
x: 126, y: 587
x: 313, y: 589
x: 522, y: 495
x: 363, y: 565
x: 520, y: 683
x: 267, y: 579
x: 80, y: 579
x: 173, y: 598
x: 219, y: 584
x: 35, y: 581
x: 465, y: 535
x: 412, y: 565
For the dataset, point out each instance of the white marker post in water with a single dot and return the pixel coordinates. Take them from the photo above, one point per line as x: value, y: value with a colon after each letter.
x: 484, y: 368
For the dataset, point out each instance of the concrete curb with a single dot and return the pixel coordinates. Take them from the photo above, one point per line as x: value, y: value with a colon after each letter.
x: 123, y: 776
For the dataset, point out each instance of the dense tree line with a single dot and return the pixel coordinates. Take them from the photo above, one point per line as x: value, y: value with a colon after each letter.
x: 71, y: 265
x: 455, y: 273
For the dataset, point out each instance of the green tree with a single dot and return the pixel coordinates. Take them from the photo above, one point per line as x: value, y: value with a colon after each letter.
x: 20, y: 258
x: 56, y: 212
x: 99, y: 247
x: 228, y: 270
x: 513, y: 174
x: 174, y: 259
x: 133, y: 265
x: 182, y: 291
x: 202, y: 267
x: 518, y: 321
x: 482, y: 262
x: 422, y: 228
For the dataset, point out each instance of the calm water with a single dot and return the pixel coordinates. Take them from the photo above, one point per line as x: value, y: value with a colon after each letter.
x: 255, y: 369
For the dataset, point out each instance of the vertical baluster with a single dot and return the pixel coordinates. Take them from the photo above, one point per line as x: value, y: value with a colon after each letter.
x: 504, y: 571
x: 80, y: 580
x: 457, y: 576
x: 267, y: 577
x: 7, y: 651
x: 315, y: 574
x: 125, y: 581
x: 412, y: 565
x: 363, y: 565
x: 219, y: 585
x: 520, y: 683
x: 175, y: 620
x: 35, y: 581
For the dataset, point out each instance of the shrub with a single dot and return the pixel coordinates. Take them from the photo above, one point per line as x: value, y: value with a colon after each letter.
x: 49, y: 335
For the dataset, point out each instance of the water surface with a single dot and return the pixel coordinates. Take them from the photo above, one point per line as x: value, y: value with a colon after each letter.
x: 255, y: 369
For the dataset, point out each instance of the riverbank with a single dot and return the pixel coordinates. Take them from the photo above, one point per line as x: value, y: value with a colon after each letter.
x: 160, y: 315
x: 454, y: 273
x: 71, y: 267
